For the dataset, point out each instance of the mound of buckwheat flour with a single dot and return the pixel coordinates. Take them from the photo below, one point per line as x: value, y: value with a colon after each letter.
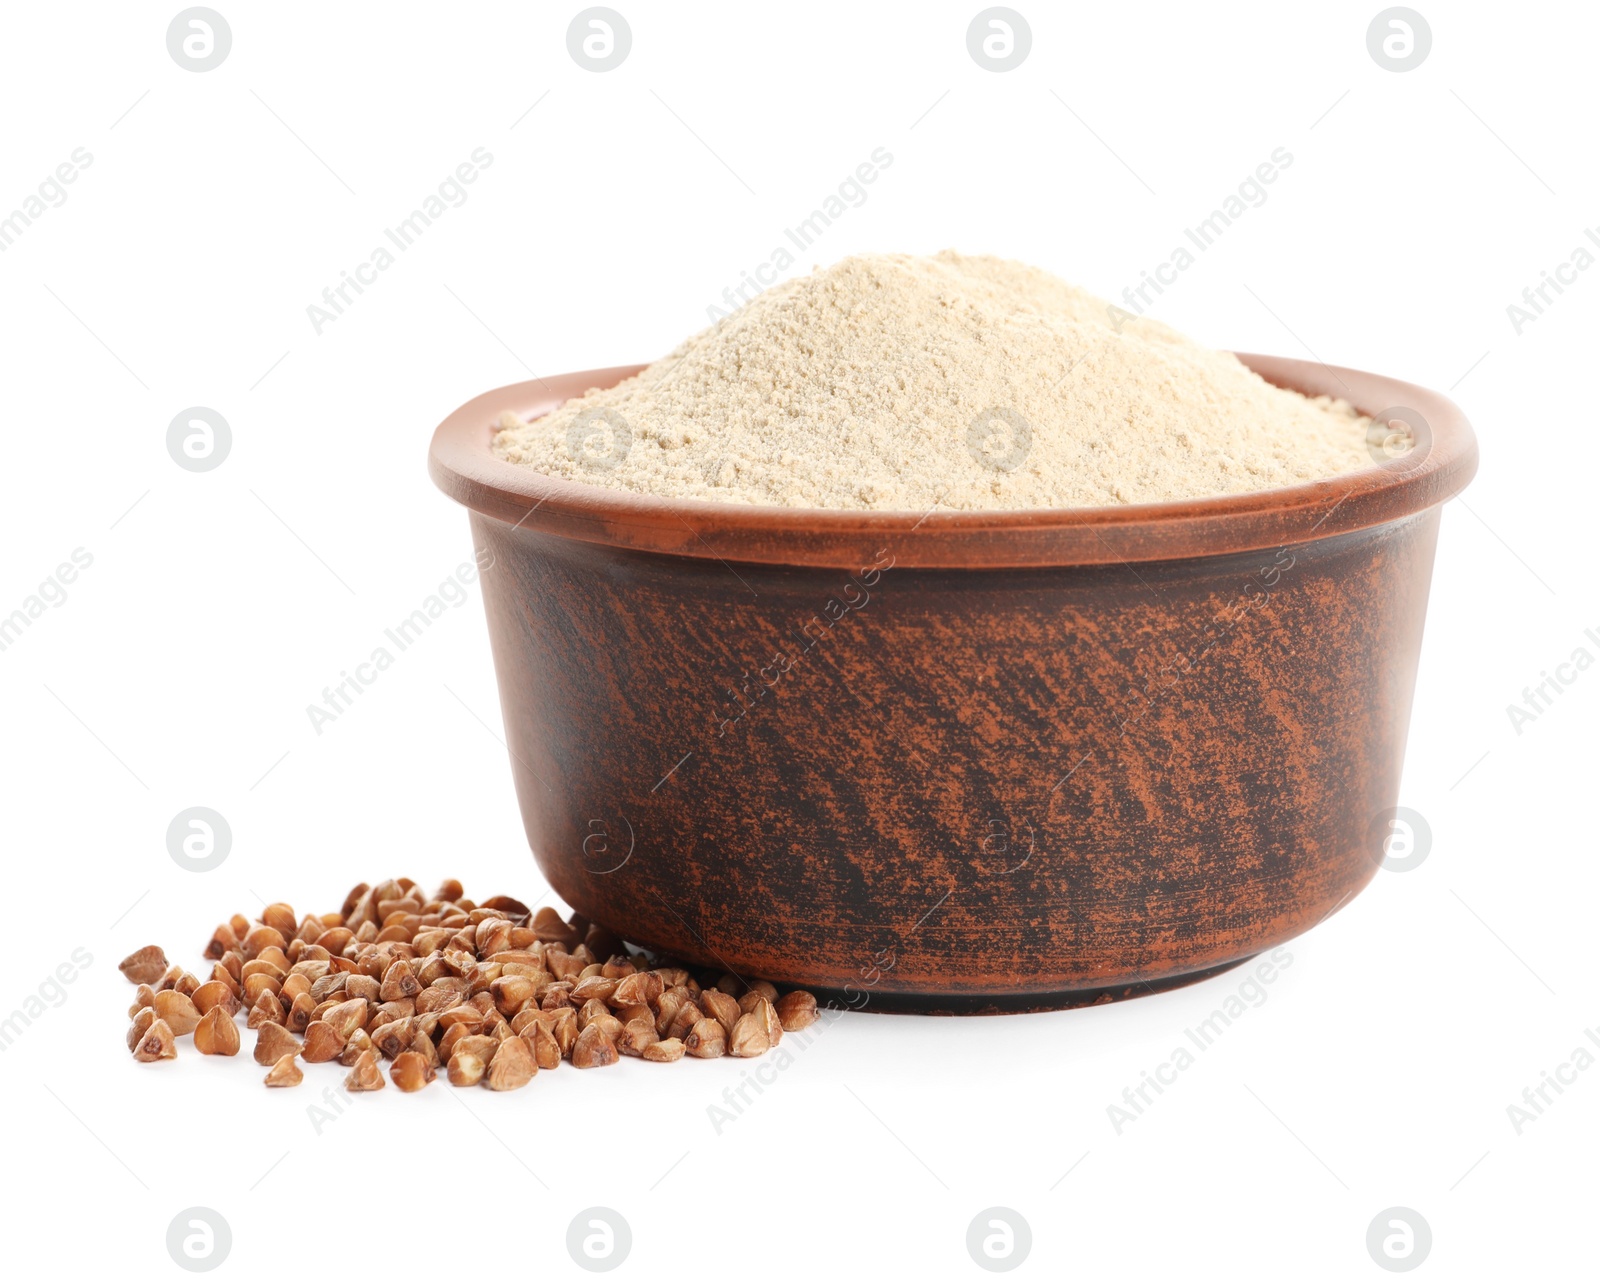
x: 891, y: 382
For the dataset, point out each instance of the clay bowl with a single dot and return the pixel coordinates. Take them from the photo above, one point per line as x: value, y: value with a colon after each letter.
x: 959, y: 762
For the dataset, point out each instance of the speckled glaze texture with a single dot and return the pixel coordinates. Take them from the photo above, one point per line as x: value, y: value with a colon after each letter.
x: 924, y: 783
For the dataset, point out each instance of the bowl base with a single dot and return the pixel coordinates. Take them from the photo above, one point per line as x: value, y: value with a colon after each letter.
x: 940, y: 1004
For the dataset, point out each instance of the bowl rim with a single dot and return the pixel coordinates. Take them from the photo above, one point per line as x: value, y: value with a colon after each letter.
x: 463, y: 466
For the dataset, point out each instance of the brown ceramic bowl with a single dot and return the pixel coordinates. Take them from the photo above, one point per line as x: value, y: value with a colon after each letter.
x: 959, y: 762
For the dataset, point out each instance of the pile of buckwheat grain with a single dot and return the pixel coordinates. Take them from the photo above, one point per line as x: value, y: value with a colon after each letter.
x: 488, y: 993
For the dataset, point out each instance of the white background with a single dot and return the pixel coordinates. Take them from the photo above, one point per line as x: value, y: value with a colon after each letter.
x: 178, y: 271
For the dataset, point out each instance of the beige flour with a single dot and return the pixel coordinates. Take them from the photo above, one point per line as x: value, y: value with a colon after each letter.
x: 890, y: 382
